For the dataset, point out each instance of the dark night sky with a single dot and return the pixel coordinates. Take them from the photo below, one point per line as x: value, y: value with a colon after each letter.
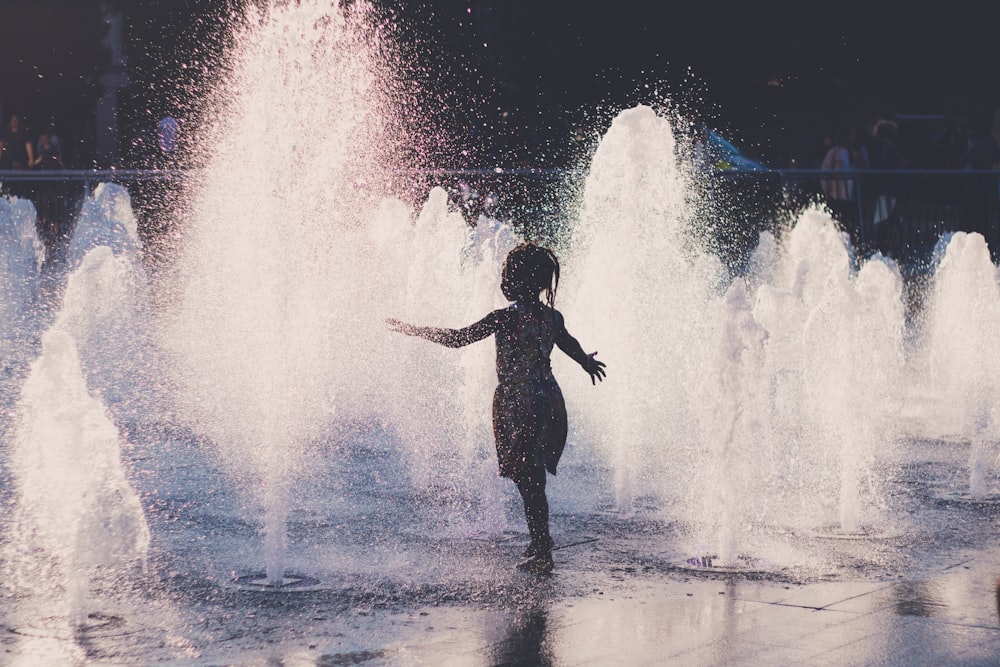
x: 556, y: 66
x: 846, y: 61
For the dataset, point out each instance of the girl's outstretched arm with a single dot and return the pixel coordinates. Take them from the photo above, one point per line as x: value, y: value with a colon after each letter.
x: 574, y: 351
x: 450, y: 337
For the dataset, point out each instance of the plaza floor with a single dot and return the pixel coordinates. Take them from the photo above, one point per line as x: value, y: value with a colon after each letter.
x: 637, y: 615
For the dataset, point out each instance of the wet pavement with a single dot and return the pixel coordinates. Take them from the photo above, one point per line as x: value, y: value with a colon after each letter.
x: 601, y: 609
x: 631, y: 618
x: 648, y: 618
x: 948, y: 618
x: 404, y: 582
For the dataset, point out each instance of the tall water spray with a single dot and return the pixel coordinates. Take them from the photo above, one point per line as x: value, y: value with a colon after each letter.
x: 77, y: 514
x: 453, y: 278
x: 483, y: 258
x: 736, y: 372
x: 637, y: 289
x: 21, y: 256
x: 835, y: 358
x: 76, y: 506
x: 106, y: 308
x: 738, y: 420
x: 292, y: 263
x: 959, y: 350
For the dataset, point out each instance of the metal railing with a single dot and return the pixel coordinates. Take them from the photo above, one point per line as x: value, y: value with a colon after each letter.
x: 901, y: 213
x: 58, y: 194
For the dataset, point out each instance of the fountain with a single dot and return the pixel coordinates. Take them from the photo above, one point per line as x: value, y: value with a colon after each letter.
x: 273, y: 294
x: 737, y: 385
x: 77, y: 522
x: 960, y: 369
x: 76, y: 504
x: 640, y: 288
x: 789, y: 435
x: 836, y: 359
x: 253, y: 352
x: 21, y: 256
x: 186, y: 446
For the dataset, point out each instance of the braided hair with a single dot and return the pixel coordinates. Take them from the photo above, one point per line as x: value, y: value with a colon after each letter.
x: 528, y: 270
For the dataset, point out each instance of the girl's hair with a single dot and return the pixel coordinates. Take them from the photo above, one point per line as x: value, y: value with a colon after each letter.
x: 528, y: 270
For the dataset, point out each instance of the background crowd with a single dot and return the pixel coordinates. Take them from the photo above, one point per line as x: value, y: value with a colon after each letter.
x: 22, y: 149
x: 926, y: 142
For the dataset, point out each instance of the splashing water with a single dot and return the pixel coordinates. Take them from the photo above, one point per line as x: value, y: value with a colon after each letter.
x: 106, y: 220
x: 637, y: 291
x: 961, y: 367
x: 738, y: 408
x: 737, y: 371
x: 291, y: 267
x: 21, y: 256
x: 835, y: 360
x: 733, y: 435
x: 79, y: 509
x: 258, y: 279
x: 105, y: 308
x: 76, y: 511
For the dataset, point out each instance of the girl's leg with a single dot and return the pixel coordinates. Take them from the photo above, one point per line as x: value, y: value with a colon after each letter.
x: 536, y: 509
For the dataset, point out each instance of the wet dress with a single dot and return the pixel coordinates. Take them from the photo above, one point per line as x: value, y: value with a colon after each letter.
x: 529, y: 414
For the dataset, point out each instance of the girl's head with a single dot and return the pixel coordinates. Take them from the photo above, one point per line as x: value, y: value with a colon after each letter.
x: 528, y: 270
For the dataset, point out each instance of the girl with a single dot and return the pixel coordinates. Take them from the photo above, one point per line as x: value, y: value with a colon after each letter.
x: 529, y: 415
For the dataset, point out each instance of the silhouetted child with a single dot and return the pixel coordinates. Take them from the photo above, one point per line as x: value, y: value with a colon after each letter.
x: 529, y: 415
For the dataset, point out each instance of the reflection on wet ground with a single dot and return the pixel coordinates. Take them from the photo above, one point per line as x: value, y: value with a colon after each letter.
x: 526, y: 641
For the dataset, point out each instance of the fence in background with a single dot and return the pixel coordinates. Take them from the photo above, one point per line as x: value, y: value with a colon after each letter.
x: 899, y: 213
x: 59, y: 194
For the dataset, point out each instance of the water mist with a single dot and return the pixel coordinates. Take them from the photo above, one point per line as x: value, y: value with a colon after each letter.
x: 637, y: 290
x: 738, y: 418
x: 958, y: 350
x: 290, y: 264
x: 77, y: 516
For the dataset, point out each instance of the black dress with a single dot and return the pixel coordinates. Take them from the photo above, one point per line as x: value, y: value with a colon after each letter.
x: 529, y: 413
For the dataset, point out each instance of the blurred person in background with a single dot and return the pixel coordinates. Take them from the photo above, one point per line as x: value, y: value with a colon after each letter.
x: 15, y: 146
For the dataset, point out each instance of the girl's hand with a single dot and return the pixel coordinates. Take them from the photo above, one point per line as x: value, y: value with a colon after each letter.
x: 595, y: 368
x: 400, y: 327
